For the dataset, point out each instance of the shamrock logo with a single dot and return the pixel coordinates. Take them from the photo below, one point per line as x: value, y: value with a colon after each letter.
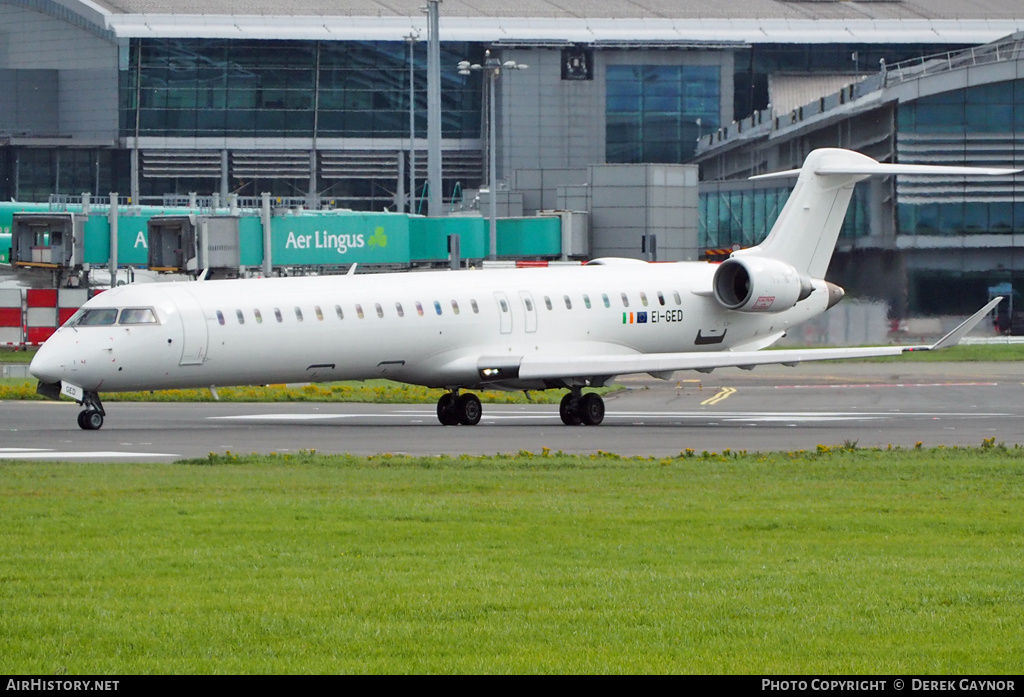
x: 378, y: 239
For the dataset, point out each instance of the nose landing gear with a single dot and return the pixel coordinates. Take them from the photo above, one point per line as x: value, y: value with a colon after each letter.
x: 91, y: 418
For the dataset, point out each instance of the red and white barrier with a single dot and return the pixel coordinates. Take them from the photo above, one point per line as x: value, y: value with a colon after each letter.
x: 11, y: 317
x: 40, y: 315
x: 510, y: 264
x: 68, y: 302
x: 30, y: 317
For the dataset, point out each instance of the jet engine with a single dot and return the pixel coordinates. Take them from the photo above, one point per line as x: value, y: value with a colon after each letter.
x: 757, y: 284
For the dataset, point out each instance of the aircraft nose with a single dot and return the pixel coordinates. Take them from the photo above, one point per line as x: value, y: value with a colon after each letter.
x: 47, y: 365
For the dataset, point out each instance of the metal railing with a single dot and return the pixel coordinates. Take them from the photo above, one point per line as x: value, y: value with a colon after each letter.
x: 1010, y: 48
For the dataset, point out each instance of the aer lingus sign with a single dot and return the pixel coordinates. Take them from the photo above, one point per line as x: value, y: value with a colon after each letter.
x: 340, y: 238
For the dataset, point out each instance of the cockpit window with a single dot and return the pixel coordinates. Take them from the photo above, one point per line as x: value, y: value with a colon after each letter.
x: 137, y: 315
x: 97, y: 317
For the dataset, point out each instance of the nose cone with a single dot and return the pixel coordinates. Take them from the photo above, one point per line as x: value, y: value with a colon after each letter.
x: 47, y: 365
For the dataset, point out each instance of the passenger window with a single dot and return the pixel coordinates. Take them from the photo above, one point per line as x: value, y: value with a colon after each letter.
x: 380, y: 310
x: 661, y: 299
x: 568, y: 303
x: 277, y: 314
x: 137, y: 315
x: 419, y: 308
x: 529, y: 304
x: 476, y: 308
x: 675, y: 296
x: 605, y: 300
x: 359, y: 311
x: 239, y: 315
x: 625, y: 300
x: 341, y: 313
x: 258, y: 315
x: 504, y: 305
x: 220, y: 317
x: 399, y: 310
x: 298, y: 314
x: 455, y: 306
x: 437, y: 307
x: 586, y: 301
x: 643, y: 298
x: 319, y: 313
x: 547, y: 302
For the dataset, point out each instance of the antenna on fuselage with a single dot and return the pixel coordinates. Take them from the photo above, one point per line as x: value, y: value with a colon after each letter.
x: 351, y: 270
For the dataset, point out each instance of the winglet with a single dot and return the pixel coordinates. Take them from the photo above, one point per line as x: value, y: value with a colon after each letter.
x: 954, y: 337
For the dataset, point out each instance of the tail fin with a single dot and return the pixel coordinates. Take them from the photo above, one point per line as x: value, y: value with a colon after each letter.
x: 805, y: 233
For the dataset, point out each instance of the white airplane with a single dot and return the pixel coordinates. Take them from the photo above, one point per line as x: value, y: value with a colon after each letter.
x: 516, y: 329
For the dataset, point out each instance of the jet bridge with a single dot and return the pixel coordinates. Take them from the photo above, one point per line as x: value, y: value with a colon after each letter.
x: 47, y: 240
x: 194, y: 243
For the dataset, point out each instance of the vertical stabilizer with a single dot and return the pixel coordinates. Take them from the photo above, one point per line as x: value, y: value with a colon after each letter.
x: 805, y: 233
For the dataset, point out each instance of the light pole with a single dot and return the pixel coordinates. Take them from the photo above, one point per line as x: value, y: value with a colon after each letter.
x: 493, y: 67
x: 411, y: 39
x: 435, y: 202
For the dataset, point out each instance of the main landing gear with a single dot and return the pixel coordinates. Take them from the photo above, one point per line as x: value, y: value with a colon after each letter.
x: 465, y: 409
x: 91, y: 418
x: 576, y: 409
x: 454, y: 409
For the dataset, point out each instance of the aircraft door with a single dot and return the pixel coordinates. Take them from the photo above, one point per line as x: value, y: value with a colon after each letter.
x: 195, y: 337
x: 504, y: 312
x: 530, y: 310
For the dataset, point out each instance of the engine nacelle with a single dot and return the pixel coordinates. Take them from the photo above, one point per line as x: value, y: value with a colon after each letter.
x: 756, y: 284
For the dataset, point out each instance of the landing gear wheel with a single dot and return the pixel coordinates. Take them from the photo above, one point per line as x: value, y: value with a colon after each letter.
x: 469, y: 410
x: 592, y: 409
x: 90, y: 420
x: 447, y: 410
x: 569, y: 410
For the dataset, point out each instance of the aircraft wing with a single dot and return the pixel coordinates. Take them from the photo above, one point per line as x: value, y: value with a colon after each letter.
x: 663, y: 363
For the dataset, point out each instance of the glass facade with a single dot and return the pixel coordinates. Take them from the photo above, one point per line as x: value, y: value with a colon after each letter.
x: 962, y: 218
x: 745, y: 216
x: 656, y: 113
x: 217, y: 88
x: 741, y: 217
x: 933, y: 292
x: 996, y: 113
x: 991, y: 108
x: 754, y: 65
x: 33, y: 173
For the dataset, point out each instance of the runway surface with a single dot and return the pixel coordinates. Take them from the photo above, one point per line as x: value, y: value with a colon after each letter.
x: 772, y: 408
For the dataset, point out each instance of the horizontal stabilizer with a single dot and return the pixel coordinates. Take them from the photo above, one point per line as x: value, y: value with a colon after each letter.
x: 866, y: 169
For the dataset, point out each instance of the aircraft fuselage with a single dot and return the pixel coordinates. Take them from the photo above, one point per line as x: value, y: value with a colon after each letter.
x: 427, y: 328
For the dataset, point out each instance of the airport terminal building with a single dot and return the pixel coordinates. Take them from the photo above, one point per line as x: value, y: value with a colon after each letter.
x: 617, y: 107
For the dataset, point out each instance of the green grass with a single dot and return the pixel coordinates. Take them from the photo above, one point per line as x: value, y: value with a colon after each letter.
x: 837, y: 561
x: 963, y: 353
x: 8, y: 355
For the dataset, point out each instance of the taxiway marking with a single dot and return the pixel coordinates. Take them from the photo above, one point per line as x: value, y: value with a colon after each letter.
x: 39, y: 453
x: 531, y: 414
x: 723, y: 394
